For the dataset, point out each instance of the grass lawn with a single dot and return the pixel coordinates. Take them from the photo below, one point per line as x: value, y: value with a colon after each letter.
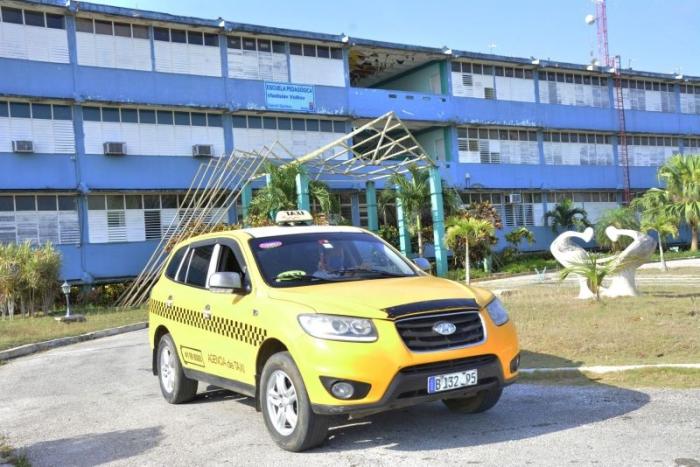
x: 558, y: 330
x: 679, y: 378
x: 21, y: 331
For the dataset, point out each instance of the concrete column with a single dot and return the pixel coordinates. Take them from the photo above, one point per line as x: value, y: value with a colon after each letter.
x: 438, y: 215
x: 355, y: 209
x: 246, y: 198
x: 303, y: 201
x: 372, y: 216
x: 404, y: 236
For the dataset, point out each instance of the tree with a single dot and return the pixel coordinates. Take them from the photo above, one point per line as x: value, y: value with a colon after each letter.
x: 515, y: 236
x: 281, y: 192
x: 10, y: 279
x: 664, y: 226
x: 622, y: 218
x: 681, y: 197
x: 567, y: 217
x: 414, y: 195
x: 654, y: 217
x: 467, y: 230
x: 593, y: 270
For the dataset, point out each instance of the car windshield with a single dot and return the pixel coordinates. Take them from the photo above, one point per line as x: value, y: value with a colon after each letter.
x: 321, y: 257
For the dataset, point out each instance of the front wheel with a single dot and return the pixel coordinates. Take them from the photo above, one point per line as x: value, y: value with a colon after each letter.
x: 286, y: 407
x: 481, y: 402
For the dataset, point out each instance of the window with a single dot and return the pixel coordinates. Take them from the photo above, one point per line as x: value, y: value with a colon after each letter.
x: 147, y: 116
x: 103, y: 27
x: 39, y: 219
x: 12, y: 15
x: 174, y: 263
x: 228, y: 261
x: 497, y: 146
x: 20, y: 110
x: 34, y: 18
x: 198, y: 267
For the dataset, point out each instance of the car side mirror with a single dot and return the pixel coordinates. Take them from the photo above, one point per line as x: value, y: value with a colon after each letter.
x: 225, y: 282
x: 423, y: 264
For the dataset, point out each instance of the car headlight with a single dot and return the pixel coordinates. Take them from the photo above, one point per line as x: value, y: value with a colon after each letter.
x: 339, y: 328
x: 497, y: 312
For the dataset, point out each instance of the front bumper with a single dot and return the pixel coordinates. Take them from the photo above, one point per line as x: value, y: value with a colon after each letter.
x: 409, y: 386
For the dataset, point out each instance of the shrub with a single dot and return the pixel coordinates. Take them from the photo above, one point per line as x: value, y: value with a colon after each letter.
x: 28, y: 274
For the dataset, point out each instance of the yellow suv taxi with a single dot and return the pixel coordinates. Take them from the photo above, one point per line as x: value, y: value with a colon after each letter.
x: 316, y: 322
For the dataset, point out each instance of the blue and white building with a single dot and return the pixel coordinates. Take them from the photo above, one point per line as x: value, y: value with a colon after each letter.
x: 102, y: 109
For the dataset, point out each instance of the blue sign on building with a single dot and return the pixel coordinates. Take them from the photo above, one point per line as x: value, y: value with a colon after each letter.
x: 295, y: 97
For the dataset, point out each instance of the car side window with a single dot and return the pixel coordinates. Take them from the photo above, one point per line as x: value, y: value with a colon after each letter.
x: 228, y: 261
x: 198, y: 268
x: 174, y: 263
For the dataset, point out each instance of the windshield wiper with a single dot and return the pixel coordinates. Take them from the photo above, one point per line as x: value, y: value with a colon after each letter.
x: 378, y: 272
x: 300, y: 278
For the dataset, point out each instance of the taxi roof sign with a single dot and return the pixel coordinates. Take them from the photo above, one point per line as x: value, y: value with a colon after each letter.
x: 299, y: 216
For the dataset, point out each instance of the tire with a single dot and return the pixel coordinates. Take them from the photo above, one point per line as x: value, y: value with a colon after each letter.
x: 175, y: 386
x: 282, y: 391
x: 481, y: 402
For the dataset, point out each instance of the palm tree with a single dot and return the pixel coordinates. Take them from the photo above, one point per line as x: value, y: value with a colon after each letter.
x: 622, y: 218
x: 467, y: 230
x: 664, y: 226
x: 414, y: 195
x: 281, y: 192
x: 10, y: 280
x: 593, y: 270
x: 652, y: 208
x: 681, y: 197
x: 515, y: 236
x: 566, y: 216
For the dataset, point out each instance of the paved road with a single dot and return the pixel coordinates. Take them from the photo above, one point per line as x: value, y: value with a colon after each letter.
x: 97, y: 403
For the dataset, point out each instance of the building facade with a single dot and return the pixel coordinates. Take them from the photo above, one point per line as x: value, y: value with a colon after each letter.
x: 103, y: 111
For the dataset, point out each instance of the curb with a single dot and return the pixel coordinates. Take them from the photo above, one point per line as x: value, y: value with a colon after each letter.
x: 608, y: 369
x: 29, y: 349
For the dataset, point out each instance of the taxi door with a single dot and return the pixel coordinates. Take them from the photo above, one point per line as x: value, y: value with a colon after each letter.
x: 235, y: 336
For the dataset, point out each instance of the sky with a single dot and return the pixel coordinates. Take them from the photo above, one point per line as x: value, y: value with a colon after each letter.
x: 651, y: 35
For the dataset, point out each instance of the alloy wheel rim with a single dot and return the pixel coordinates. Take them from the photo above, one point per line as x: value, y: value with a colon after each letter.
x: 167, y: 370
x: 282, y: 406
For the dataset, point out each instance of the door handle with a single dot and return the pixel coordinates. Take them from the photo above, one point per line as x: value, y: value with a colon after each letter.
x: 169, y: 301
x: 206, y: 313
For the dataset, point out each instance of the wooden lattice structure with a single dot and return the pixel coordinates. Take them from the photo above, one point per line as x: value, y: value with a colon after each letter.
x: 374, y: 151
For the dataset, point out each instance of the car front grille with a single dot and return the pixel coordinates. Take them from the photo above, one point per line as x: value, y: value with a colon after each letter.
x: 418, y: 334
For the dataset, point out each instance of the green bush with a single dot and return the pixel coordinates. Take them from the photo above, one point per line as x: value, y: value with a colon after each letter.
x: 28, y: 277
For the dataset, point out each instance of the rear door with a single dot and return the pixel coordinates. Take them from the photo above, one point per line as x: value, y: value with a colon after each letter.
x: 186, y: 305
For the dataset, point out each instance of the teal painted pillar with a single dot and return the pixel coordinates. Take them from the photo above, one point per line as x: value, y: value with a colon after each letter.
x: 303, y: 202
x: 246, y: 198
x: 371, y: 198
x: 404, y: 236
x: 438, y: 214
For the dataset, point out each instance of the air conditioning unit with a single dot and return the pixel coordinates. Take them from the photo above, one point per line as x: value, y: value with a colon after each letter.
x: 22, y: 146
x: 202, y: 150
x: 114, y: 149
x: 515, y: 198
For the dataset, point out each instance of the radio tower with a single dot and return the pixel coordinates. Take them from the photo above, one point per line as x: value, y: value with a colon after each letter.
x: 601, y: 21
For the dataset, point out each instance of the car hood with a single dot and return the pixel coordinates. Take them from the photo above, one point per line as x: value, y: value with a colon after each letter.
x: 376, y: 298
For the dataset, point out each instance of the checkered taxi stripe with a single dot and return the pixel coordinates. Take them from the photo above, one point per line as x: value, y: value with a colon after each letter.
x: 226, y: 327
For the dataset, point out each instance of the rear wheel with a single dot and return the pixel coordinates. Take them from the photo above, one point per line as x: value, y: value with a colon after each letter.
x: 478, y: 403
x: 286, y: 407
x: 175, y: 386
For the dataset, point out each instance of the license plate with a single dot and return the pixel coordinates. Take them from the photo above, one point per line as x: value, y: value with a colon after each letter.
x: 449, y: 381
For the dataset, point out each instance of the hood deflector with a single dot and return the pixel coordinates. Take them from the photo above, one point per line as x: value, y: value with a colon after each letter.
x: 432, y: 305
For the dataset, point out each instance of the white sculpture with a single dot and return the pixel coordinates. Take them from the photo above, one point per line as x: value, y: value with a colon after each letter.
x: 569, y: 253
x: 626, y: 263
x: 622, y: 283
